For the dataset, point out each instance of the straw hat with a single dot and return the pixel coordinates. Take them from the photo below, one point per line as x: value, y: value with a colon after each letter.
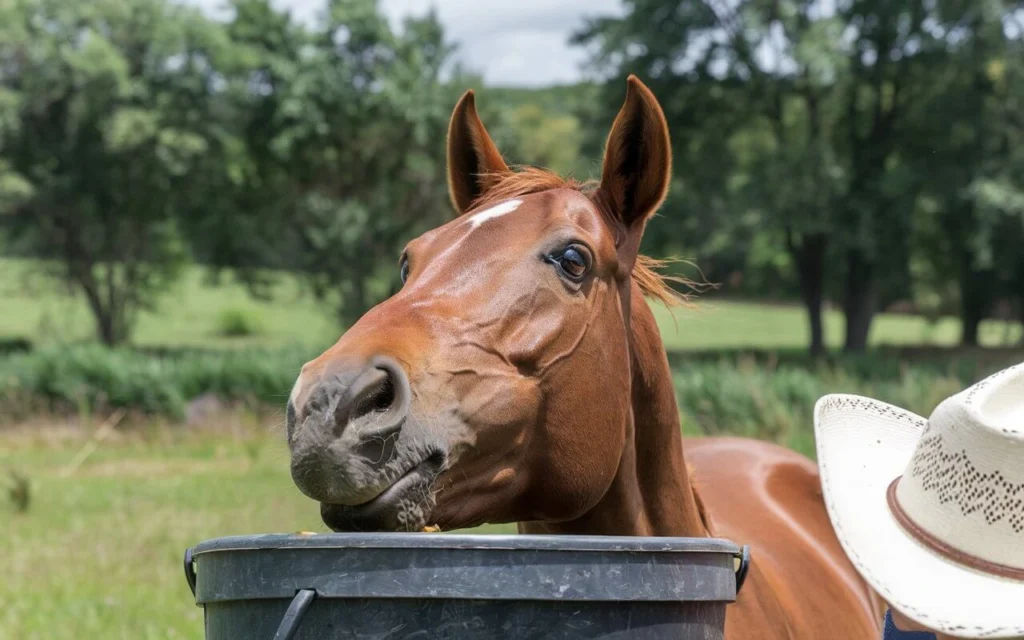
x: 931, y: 511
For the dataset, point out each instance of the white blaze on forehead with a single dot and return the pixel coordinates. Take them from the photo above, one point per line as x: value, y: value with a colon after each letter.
x: 496, y: 211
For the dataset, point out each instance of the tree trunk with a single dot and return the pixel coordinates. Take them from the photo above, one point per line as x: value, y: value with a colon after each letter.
x: 972, y: 308
x: 111, y: 318
x: 970, y: 318
x: 978, y: 293
x: 859, y: 304
x: 106, y: 325
x: 809, y: 256
x: 111, y: 324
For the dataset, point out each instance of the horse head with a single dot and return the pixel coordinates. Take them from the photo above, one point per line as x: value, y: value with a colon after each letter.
x: 496, y: 384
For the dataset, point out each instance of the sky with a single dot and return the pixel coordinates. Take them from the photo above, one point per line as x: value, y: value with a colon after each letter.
x: 510, y: 42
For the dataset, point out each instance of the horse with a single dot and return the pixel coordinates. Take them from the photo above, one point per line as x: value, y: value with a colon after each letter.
x: 518, y: 375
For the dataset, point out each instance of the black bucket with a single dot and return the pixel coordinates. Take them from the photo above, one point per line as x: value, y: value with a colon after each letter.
x: 425, y: 586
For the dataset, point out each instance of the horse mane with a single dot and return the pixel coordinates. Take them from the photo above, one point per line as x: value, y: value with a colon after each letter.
x: 528, y: 180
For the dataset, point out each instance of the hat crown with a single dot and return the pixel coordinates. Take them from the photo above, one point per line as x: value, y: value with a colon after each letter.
x: 964, y: 485
x: 931, y: 511
x: 997, y: 402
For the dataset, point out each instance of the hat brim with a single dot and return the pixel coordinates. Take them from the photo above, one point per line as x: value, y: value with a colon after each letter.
x: 862, y: 446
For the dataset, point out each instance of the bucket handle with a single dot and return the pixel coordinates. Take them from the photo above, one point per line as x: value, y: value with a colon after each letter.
x: 190, y: 571
x: 741, y: 572
x: 293, y: 616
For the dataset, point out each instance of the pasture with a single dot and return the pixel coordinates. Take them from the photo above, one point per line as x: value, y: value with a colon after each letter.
x: 97, y: 551
x: 197, y: 312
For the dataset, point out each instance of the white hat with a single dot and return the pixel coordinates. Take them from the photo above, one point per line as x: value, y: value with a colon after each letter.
x: 931, y: 512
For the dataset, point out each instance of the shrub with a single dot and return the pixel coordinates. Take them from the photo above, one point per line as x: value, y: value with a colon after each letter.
x: 756, y: 395
x: 93, y: 377
x: 237, y: 322
x: 14, y: 345
x: 748, y: 398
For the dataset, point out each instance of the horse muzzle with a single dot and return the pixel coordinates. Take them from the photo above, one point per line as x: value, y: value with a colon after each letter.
x: 356, y: 449
x: 405, y: 505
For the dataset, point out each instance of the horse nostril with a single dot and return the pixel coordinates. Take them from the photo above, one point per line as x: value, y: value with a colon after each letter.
x: 377, y: 398
x: 381, y: 391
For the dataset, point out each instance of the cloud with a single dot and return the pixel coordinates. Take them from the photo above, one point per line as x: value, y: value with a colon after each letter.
x: 522, y: 43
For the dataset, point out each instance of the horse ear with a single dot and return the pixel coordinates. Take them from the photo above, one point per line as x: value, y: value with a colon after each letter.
x: 637, y: 158
x: 474, y: 163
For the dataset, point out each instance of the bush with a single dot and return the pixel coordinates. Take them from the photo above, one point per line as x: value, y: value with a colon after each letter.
x: 92, y: 377
x: 758, y: 395
x: 14, y: 345
x: 750, y: 398
x: 237, y: 322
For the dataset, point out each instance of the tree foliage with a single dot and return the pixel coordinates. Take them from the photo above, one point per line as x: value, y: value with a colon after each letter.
x: 818, y: 128
x: 139, y: 134
x: 339, y: 153
x: 106, y: 116
x: 862, y: 152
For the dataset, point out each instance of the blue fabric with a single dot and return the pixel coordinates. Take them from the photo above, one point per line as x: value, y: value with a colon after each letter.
x: 892, y: 633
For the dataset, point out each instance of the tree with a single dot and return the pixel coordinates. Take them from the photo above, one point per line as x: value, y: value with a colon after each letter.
x: 802, y: 121
x: 961, y: 138
x: 753, y: 130
x: 997, y: 190
x: 701, y: 220
x: 551, y: 141
x: 344, y: 128
x: 105, y: 119
x: 796, y: 176
x: 876, y: 219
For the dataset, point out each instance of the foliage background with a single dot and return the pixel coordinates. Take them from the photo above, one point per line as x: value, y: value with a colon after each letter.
x: 191, y: 208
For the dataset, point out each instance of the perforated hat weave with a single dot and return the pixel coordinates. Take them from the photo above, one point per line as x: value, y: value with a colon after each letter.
x: 931, y: 512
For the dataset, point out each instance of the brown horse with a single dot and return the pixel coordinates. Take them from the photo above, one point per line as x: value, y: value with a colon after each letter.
x: 519, y: 376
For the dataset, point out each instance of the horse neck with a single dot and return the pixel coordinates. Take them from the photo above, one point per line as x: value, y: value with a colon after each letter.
x: 651, y: 494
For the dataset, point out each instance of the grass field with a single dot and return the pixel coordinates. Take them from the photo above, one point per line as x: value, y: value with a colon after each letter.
x: 98, y: 553
x: 718, y: 324
x: 191, y: 315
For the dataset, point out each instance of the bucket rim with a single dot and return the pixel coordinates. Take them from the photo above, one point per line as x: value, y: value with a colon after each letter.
x: 474, y: 542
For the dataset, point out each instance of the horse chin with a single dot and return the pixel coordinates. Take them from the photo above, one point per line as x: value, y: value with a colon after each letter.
x: 406, y: 505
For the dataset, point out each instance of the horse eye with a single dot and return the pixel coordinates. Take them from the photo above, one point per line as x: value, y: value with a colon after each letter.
x: 573, y: 263
x: 404, y: 269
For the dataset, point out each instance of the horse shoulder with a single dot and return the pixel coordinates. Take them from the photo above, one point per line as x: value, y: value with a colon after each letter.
x: 801, y: 585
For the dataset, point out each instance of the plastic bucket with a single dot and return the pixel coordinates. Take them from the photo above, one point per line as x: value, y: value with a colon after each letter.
x: 390, y: 586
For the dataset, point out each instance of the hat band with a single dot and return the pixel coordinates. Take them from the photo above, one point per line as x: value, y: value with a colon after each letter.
x: 944, y: 548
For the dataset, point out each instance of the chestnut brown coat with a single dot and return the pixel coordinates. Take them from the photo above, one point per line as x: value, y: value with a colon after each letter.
x: 519, y: 376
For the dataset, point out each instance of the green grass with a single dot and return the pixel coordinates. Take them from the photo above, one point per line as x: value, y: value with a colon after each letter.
x: 194, y: 314
x: 718, y: 324
x: 98, y: 553
x: 191, y: 314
